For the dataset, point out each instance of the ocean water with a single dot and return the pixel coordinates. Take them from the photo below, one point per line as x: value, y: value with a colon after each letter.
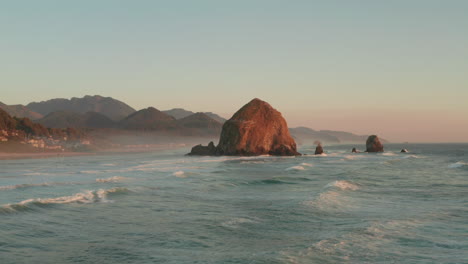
x: 165, y: 207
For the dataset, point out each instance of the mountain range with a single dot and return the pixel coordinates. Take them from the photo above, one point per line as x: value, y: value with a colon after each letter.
x: 112, y: 108
x: 179, y: 113
x: 98, y: 112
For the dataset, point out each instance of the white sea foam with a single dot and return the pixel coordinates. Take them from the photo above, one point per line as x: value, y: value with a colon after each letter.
x: 458, y: 164
x: 86, y: 197
x: 307, y: 164
x: 343, y: 185
x: 295, y: 168
x: 111, y: 179
x: 391, y: 154
x: 90, y: 172
x: 329, y: 200
x: 179, y: 174
x: 236, y: 222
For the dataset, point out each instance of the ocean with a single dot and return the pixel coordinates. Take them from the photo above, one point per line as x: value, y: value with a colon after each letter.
x: 164, y: 207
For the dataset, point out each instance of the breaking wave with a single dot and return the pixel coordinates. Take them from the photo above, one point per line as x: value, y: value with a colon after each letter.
x: 111, y: 179
x: 86, y: 197
x: 343, y: 185
x: 458, y: 164
x: 236, y: 222
x: 179, y: 174
x: 333, y: 198
x: 295, y: 168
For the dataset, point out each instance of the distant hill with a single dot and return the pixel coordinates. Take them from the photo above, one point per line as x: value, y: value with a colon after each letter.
x: 179, y: 113
x: 149, y: 119
x: 346, y: 137
x: 20, y: 111
x: 64, y: 119
x: 23, y: 125
x: 215, y: 117
x: 112, y: 108
x: 200, y: 123
x: 305, y: 135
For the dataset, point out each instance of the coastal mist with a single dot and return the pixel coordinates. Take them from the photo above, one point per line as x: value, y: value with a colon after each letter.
x: 165, y: 207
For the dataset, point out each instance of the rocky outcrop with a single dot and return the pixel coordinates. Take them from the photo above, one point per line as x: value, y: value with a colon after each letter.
x: 404, y: 151
x: 319, y: 149
x: 200, y: 150
x: 354, y: 150
x: 373, y: 144
x: 255, y: 129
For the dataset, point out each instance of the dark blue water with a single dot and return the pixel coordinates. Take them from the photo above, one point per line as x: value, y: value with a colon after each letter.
x: 167, y: 208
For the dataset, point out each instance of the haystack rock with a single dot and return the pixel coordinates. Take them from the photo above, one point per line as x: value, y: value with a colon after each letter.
x: 319, y: 149
x: 255, y: 129
x: 373, y: 144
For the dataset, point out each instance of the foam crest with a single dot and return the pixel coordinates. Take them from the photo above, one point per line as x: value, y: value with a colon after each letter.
x: 330, y: 200
x: 458, y: 164
x: 111, y: 179
x: 307, y: 164
x: 90, y: 172
x: 295, y: 168
x: 343, y: 185
x: 86, y: 197
x: 236, y: 222
x: 179, y: 174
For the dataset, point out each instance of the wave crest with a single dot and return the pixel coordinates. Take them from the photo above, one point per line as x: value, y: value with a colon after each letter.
x: 458, y: 164
x: 86, y: 197
x: 295, y: 168
x: 343, y: 185
x: 111, y: 179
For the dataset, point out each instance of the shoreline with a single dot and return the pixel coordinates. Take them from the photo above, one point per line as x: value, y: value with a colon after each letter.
x: 41, y: 155
x: 114, y: 151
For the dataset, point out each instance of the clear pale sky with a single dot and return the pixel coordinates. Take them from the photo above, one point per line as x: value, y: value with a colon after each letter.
x: 395, y: 68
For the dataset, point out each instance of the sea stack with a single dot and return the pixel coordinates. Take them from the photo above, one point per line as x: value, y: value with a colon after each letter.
x: 373, y: 144
x: 319, y: 149
x: 354, y: 150
x: 255, y: 129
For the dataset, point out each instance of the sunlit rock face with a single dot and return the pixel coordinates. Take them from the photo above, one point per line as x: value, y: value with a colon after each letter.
x: 255, y: 129
x: 373, y: 144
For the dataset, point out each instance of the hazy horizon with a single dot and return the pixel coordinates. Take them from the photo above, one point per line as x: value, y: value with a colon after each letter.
x: 395, y: 69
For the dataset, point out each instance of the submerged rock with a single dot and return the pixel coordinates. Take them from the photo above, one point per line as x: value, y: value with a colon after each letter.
x: 319, y: 149
x: 404, y: 151
x: 354, y: 150
x: 373, y: 144
x: 255, y: 129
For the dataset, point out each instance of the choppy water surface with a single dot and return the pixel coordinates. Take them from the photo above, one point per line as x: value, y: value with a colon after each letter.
x: 168, y: 208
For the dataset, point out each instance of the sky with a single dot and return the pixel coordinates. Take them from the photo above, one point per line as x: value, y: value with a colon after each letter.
x: 398, y: 69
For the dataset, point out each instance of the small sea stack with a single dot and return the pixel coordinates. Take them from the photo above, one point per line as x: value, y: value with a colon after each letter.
x: 354, y: 150
x: 255, y: 129
x: 373, y: 144
x: 319, y: 149
x: 404, y: 151
x: 204, y: 150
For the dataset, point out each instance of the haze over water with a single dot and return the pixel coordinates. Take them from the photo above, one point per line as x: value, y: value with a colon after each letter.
x: 396, y: 69
x: 168, y: 208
